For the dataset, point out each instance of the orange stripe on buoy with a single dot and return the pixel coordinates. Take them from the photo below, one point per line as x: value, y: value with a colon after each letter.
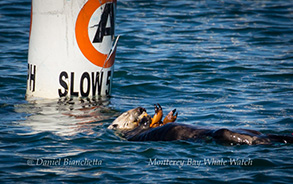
x: 82, y: 36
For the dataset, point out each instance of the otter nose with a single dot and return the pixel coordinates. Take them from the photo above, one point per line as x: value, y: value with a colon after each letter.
x: 114, y: 127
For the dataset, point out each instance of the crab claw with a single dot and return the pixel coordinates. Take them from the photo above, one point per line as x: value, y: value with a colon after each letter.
x: 171, y: 117
x: 158, y: 116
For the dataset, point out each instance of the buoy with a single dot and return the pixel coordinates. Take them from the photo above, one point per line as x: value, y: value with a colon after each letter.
x: 72, y: 48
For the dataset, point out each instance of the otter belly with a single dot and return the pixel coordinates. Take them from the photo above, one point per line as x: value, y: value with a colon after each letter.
x: 175, y: 131
x: 170, y: 132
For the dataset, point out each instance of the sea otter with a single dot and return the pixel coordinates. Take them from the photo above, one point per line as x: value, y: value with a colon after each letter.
x: 137, y: 125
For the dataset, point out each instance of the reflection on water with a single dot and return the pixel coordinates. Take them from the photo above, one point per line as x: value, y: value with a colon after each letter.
x: 66, y: 117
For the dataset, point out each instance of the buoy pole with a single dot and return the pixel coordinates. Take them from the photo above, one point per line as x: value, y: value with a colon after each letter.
x: 72, y: 48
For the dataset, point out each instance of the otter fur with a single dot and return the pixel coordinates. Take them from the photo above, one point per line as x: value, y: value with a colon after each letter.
x: 134, y: 125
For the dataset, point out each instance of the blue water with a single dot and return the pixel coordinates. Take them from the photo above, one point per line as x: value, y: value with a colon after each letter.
x: 219, y: 63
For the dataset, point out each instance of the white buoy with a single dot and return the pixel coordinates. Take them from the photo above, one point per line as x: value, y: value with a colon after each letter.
x: 71, y: 48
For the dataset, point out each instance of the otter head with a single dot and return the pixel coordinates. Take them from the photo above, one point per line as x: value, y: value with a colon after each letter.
x: 128, y: 120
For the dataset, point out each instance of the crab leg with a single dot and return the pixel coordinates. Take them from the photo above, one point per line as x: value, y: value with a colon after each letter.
x: 158, y: 116
x: 170, y: 117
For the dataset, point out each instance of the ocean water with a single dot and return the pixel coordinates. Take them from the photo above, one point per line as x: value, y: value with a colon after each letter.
x: 219, y: 63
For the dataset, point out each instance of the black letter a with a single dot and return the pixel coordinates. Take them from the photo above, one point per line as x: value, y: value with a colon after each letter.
x: 102, y: 30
